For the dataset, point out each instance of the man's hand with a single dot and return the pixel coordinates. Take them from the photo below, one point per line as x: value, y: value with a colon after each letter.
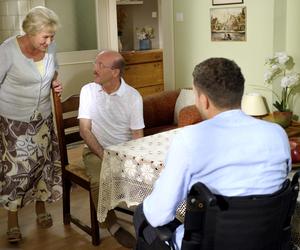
x: 85, y: 128
x: 138, y: 133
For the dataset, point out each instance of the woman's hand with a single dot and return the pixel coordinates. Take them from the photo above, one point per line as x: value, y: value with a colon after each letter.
x: 56, y: 85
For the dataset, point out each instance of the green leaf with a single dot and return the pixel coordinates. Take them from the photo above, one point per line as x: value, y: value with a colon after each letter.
x: 279, y: 106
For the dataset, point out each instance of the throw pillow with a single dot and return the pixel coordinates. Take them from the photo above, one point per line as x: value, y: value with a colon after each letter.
x: 185, y: 98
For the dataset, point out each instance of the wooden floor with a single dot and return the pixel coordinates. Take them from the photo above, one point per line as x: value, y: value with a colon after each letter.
x: 59, y: 236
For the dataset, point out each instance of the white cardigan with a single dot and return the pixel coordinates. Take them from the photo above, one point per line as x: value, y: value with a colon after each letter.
x: 22, y: 89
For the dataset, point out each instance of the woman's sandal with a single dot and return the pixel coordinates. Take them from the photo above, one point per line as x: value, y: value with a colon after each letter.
x: 44, y: 220
x: 14, y: 235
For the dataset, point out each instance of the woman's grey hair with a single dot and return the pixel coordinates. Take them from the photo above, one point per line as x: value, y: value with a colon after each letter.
x: 38, y: 19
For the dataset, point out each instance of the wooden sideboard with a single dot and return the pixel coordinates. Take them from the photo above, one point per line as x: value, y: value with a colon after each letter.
x: 144, y: 70
x: 292, y: 131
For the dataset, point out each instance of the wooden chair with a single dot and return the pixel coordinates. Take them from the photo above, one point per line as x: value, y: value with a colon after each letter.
x: 68, y: 133
x: 67, y: 126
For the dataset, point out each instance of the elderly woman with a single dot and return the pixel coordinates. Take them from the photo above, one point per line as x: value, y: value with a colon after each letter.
x: 29, y: 155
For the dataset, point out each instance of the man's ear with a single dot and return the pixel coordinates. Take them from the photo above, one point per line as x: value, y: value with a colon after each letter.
x: 116, y: 72
x: 202, y: 101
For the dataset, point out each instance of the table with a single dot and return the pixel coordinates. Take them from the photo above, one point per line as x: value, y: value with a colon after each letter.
x: 129, y: 170
x: 293, y: 130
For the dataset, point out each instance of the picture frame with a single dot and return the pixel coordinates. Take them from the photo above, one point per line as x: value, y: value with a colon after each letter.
x: 228, y: 24
x: 225, y: 2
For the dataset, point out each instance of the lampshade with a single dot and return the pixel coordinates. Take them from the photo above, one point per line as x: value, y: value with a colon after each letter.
x: 253, y: 104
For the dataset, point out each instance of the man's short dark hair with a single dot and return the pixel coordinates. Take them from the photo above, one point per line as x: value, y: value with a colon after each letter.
x: 119, y: 63
x: 221, y: 80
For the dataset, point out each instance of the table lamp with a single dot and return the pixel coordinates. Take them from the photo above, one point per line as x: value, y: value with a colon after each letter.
x: 253, y: 104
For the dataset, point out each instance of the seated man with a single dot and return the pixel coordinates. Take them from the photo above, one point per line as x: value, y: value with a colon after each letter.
x: 232, y: 153
x: 110, y: 112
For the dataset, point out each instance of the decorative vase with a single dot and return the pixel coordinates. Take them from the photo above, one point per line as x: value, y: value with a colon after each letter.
x: 283, y: 118
x: 145, y: 44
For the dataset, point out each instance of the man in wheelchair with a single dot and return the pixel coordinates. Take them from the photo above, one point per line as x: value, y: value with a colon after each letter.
x: 233, y: 155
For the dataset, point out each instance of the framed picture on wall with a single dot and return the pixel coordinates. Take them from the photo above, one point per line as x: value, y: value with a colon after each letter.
x: 222, y: 2
x: 228, y: 24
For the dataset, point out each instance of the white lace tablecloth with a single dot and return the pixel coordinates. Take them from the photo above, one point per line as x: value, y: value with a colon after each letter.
x: 129, y: 170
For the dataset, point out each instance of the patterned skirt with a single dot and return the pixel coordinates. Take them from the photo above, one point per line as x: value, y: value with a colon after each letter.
x: 30, y: 166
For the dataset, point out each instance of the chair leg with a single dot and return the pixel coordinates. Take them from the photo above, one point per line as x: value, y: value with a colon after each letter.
x: 66, y: 200
x: 94, y: 223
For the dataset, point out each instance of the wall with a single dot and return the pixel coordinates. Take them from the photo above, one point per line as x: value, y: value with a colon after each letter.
x: 77, y: 21
x: 267, y: 32
x: 293, y: 41
x: 139, y: 16
x: 77, y: 42
x: 67, y: 16
x: 80, y: 35
x: 12, y: 12
x: 86, y: 24
x: 76, y: 68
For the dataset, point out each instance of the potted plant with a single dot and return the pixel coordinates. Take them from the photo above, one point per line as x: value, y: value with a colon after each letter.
x: 280, y: 67
x: 144, y: 35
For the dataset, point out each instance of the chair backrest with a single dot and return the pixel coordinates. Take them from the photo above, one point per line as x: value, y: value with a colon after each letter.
x: 261, y: 222
x: 67, y: 123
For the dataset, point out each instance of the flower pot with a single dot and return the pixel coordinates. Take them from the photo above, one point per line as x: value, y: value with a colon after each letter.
x: 283, y: 118
x: 145, y: 44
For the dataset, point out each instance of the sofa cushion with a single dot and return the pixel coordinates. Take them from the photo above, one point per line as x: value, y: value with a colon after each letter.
x: 159, y: 108
x: 189, y: 115
x: 185, y: 98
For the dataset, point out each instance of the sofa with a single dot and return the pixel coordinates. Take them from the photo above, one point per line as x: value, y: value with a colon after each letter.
x: 160, y: 112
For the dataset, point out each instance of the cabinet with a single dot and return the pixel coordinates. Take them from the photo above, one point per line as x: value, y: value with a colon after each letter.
x: 127, y: 2
x: 144, y: 70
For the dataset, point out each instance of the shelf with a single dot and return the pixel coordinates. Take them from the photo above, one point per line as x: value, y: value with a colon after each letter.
x: 127, y: 2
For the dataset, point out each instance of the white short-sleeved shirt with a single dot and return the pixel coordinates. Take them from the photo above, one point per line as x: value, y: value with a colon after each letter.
x: 22, y: 87
x: 232, y: 154
x: 113, y: 115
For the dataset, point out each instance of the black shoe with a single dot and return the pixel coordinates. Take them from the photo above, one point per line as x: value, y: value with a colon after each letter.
x: 125, y: 238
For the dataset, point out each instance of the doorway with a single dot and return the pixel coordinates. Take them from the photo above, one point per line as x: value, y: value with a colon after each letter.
x: 108, y: 33
x: 76, y: 65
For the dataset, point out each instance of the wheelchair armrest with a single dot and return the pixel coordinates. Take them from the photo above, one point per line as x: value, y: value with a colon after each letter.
x: 200, y: 194
x: 165, y: 232
x: 296, y: 177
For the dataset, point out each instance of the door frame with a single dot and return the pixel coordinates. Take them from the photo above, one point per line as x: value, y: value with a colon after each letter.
x: 107, y: 33
x: 106, y: 21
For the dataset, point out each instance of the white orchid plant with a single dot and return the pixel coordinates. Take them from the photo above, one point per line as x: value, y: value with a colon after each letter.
x: 281, y: 65
x: 144, y: 33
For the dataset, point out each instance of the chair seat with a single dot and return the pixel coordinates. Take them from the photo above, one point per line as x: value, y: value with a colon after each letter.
x: 75, y: 154
x: 123, y: 205
x: 78, y: 170
x: 76, y: 165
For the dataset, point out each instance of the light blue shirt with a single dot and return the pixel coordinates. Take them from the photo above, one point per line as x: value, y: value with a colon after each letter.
x: 232, y: 153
